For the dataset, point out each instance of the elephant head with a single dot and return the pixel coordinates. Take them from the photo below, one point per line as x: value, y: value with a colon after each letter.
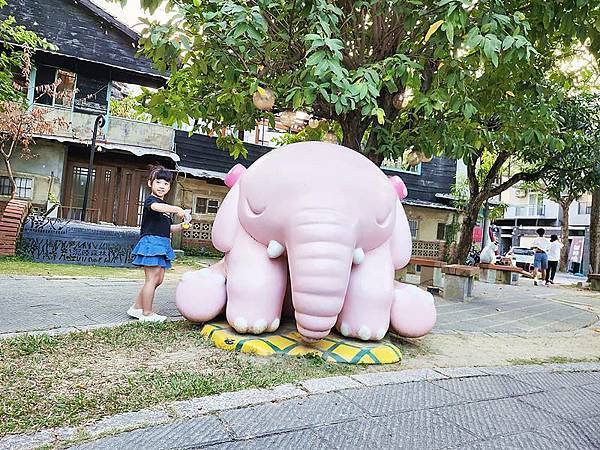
x: 323, y: 205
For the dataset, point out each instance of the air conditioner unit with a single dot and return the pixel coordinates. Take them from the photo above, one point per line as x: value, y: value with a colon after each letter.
x: 520, y: 193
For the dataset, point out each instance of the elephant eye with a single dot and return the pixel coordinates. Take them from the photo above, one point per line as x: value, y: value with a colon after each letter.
x: 253, y: 210
x: 386, y: 219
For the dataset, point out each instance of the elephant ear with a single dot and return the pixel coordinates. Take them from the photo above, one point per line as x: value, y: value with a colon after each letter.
x: 401, y: 244
x: 227, y: 223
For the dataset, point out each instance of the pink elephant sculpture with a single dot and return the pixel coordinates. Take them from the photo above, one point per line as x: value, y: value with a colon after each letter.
x: 332, y: 220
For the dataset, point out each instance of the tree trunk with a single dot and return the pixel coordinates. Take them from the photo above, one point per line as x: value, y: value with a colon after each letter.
x: 564, y: 253
x: 353, y: 132
x: 466, y: 236
x: 595, y: 232
x: 13, y: 184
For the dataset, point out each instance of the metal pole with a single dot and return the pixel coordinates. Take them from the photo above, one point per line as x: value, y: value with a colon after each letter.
x: 97, y: 124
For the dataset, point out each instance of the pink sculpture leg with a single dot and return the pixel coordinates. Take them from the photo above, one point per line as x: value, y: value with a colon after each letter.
x: 255, y: 286
x: 201, y: 295
x: 366, y: 311
x: 413, y: 311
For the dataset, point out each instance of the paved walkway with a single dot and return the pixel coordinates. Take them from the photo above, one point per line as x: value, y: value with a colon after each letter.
x: 524, y: 407
x: 37, y: 303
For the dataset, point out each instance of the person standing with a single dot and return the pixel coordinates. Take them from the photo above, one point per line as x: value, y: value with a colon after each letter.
x: 540, y: 262
x: 153, y: 251
x: 553, y: 258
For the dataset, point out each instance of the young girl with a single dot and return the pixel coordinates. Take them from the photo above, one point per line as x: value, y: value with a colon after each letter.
x: 153, y: 251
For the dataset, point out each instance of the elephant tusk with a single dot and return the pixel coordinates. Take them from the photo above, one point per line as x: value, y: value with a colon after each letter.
x: 275, y: 249
x: 358, y: 256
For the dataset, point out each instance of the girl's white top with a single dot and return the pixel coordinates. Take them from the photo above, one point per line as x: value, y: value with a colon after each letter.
x: 554, y: 251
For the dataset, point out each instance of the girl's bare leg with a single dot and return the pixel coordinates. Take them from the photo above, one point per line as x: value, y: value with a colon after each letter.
x: 154, y: 276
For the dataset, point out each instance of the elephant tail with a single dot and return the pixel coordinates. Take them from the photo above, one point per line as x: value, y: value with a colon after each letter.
x: 413, y: 311
x: 201, y: 295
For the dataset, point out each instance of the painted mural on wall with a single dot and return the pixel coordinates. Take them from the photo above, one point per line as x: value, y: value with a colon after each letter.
x: 67, y: 242
x: 337, y: 227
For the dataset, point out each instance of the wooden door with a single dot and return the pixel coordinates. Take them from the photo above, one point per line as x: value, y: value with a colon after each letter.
x: 115, y: 194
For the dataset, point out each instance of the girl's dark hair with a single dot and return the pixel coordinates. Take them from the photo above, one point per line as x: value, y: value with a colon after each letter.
x: 553, y: 238
x: 540, y: 231
x: 160, y: 173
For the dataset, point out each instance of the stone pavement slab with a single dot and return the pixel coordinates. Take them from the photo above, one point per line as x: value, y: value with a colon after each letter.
x: 560, y: 414
x: 486, y: 388
x: 569, y: 403
x: 497, y: 417
x: 38, y: 303
x: 203, y: 430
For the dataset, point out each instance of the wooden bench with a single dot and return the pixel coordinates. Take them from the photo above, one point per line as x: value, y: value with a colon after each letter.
x: 594, y: 279
x: 431, y: 271
x: 493, y: 274
x: 458, y: 285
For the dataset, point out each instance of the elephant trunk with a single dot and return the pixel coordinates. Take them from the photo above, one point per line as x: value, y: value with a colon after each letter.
x: 320, y: 253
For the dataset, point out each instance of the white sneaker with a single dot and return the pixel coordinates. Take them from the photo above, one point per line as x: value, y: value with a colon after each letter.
x: 153, y: 318
x: 135, y: 312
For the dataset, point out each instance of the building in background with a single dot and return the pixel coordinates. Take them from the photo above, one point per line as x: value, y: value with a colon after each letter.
x: 96, y: 58
x: 529, y: 210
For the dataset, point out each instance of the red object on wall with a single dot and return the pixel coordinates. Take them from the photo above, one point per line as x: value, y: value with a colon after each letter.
x: 477, y: 234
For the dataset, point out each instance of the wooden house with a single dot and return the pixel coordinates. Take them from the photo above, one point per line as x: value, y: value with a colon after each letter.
x: 96, y: 53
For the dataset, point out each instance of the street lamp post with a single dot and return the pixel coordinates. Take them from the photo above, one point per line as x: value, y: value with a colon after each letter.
x: 97, y: 124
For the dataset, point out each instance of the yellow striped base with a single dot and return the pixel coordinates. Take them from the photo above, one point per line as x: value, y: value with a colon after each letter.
x: 286, y: 341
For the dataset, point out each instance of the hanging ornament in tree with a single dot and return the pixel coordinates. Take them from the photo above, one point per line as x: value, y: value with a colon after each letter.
x: 424, y: 158
x: 411, y: 157
x: 330, y: 137
x: 288, y: 118
x: 263, y: 99
x: 313, y: 123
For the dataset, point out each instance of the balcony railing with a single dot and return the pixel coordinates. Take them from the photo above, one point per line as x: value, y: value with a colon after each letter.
x: 118, y: 130
x: 526, y: 211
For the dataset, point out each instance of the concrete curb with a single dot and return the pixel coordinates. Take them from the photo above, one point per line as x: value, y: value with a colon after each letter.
x: 186, y: 409
x: 83, y: 328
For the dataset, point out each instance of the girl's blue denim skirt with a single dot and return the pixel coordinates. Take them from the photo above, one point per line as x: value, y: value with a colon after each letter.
x: 152, y: 251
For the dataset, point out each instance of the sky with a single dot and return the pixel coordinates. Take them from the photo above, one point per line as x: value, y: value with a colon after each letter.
x: 130, y: 14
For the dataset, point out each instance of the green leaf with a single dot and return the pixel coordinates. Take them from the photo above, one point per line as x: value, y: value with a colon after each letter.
x: 450, y: 32
x: 507, y: 42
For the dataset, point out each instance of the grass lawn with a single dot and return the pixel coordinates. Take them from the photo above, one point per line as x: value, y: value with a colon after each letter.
x: 81, y: 377
x: 14, y: 265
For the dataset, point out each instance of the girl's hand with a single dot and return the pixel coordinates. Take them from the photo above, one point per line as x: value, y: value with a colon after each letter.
x: 180, y: 213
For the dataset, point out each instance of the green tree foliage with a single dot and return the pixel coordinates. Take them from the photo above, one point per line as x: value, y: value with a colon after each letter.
x: 578, y: 170
x: 463, y: 78
x: 17, y: 43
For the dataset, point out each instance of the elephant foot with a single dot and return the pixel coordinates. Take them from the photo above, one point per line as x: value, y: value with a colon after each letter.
x: 363, y: 325
x: 201, y: 295
x: 413, y: 311
x: 259, y: 325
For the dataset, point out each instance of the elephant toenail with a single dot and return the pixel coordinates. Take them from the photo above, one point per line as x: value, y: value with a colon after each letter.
x: 274, y: 325
x: 241, y: 325
x: 364, y: 333
x: 259, y: 326
x: 345, y: 329
x: 380, y: 334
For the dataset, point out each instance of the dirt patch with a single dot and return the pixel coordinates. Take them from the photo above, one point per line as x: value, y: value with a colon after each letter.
x: 462, y: 350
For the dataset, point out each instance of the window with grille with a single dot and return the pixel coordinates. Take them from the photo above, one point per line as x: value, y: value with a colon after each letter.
x: 414, y: 227
x: 24, y: 187
x: 441, y: 232
x: 206, y: 205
